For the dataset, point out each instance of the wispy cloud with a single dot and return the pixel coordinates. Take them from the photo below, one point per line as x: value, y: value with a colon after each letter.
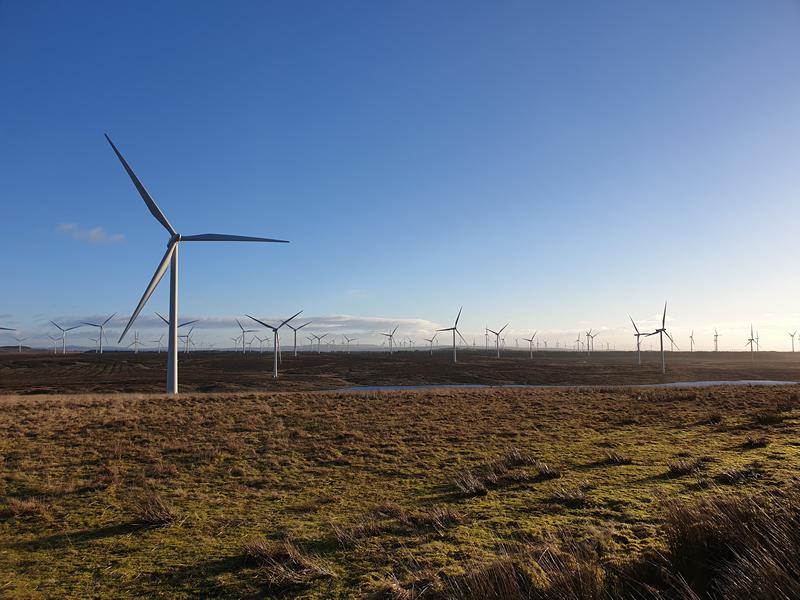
x: 96, y: 235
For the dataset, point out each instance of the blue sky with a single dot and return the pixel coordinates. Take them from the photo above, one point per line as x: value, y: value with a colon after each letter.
x: 556, y: 165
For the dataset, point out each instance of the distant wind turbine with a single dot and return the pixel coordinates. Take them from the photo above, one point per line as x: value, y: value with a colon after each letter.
x: 390, y: 337
x: 430, y: 341
x: 19, y: 342
x: 55, y: 339
x: 101, y: 326
x: 275, y: 339
x: 716, y: 338
x: 295, y: 330
x: 638, y: 335
x: 530, y: 342
x: 792, y: 334
x: 244, y: 331
x: 170, y: 260
x: 455, y: 331
x: 662, y: 331
x: 691, y: 341
x: 497, y: 338
x: 347, y: 342
x: 750, y: 341
x: 64, y: 331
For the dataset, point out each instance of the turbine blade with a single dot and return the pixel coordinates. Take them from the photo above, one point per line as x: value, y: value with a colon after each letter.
x: 462, y: 337
x: 56, y: 324
x: 156, y: 212
x: 634, y: 324
x: 85, y: 323
x: 395, y: 329
x: 446, y: 329
x: 670, y: 339
x: 257, y: 321
x: 223, y: 237
x: 162, y: 268
x: 188, y: 323
x: 458, y: 317
x: 664, y: 317
x: 109, y: 318
x: 501, y: 331
x: 162, y: 318
x: 289, y: 319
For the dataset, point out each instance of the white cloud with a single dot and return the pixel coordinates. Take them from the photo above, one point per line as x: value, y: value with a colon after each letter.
x: 96, y: 235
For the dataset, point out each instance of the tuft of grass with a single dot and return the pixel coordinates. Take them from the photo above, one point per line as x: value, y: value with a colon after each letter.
x: 684, y: 466
x: 470, y: 484
x: 573, y: 496
x: 25, y: 508
x: 769, y: 417
x: 617, y: 458
x: 285, y: 562
x: 149, y: 508
x: 755, y: 442
x: 714, y: 418
x: 736, y: 475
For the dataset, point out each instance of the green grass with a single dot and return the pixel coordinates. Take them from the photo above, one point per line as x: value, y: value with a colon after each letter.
x: 325, y: 495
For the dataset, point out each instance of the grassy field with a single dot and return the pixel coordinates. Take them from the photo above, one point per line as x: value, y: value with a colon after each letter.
x: 339, y: 495
x: 41, y: 373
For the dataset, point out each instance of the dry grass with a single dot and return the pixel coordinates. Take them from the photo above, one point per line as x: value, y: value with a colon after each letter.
x: 339, y: 495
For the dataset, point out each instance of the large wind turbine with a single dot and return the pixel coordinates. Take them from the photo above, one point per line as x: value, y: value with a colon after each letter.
x: 170, y: 260
x: 101, y: 326
x: 391, y: 338
x: 275, y: 341
x: 295, y: 329
x: 530, y: 342
x: 497, y: 338
x: 455, y: 331
x: 792, y: 334
x: 64, y: 331
x: 638, y: 336
x: 662, y: 331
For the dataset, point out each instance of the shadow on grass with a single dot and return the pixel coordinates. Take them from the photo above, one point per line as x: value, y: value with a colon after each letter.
x: 84, y: 536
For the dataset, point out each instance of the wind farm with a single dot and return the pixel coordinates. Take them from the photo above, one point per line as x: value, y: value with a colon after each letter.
x: 501, y: 311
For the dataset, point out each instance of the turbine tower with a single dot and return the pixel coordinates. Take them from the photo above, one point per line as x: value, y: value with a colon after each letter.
x: 275, y: 339
x: 64, y: 335
x: 101, y: 326
x: 455, y: 331
x: 497, y: 338
x: 170, y: 260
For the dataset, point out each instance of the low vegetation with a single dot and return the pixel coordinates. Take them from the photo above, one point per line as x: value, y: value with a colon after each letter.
x: 440, y: 494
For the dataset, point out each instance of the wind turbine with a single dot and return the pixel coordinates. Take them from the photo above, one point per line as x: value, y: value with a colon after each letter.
x: 187, y: 339
x: 64, y: 335
x: 758, y: 346
x: 638, y: 336
x: 716, y: 337
x: 170, y: 260
x: 391, y: 338
x: 158, y: 341
x: 275, y: 339
x: 319, y: 341
x: 19, y: 342
x: 96, y: 342
x: 662, y: 331
x: 588, y: 343
x: 430, y: 341
x: 244, y: 331
x: 348, y: 340
x: 497, y: 338
x: 794, y: 333
x: 592, y: 338
x: 135, y: 342
x: 751, y: 340
x: 691, y: 341
x: 55, y: 339
x: 530, y: 342
x: 455, y: 331
x: 101, y: 326
x: 295, y: 329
